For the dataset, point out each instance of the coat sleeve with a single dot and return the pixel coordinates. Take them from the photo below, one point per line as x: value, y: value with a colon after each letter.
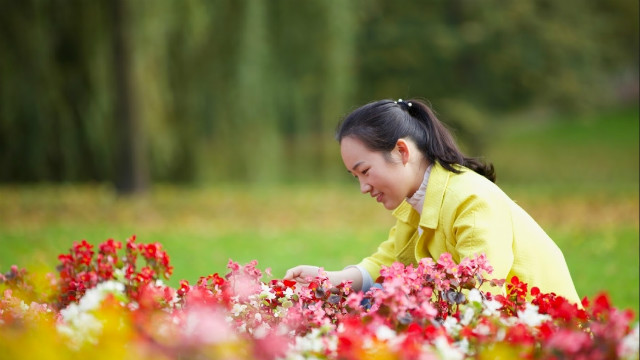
x: 483, y: 224
x: 385, y: 255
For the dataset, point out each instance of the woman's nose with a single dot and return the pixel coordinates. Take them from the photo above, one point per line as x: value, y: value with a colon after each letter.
x: 364, y: 187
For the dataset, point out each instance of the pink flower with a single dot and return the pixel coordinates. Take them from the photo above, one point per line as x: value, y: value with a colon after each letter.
x: 568, y: 342
x: 418, y: 311
x: 233, y: 266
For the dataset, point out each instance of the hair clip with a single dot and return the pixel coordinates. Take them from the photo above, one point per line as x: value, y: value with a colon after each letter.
x: 400, y: 101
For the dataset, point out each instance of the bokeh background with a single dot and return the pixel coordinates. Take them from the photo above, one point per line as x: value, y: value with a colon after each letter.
x: 207, y: 125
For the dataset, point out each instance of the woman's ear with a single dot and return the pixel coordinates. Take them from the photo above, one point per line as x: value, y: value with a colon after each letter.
x: 403, y: 149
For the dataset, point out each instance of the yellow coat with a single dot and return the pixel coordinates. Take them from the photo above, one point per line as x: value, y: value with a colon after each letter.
x: 465, y: 214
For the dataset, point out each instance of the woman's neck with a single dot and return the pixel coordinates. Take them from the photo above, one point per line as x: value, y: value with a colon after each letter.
x: 417, y: 199
x: 422, y: 168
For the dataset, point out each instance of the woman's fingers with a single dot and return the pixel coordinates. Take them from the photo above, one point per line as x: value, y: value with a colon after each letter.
x: 301, y: 273
x: 289, y: 274
x: 292, y: 274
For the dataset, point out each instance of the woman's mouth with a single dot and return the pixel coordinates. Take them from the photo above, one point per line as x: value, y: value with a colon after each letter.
x: 379, y: 197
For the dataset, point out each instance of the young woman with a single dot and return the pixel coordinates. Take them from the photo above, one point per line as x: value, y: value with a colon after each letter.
x: 443, y: 202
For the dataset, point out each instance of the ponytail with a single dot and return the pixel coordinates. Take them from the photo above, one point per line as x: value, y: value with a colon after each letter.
x: 440, y: 145
x: 380, y: 124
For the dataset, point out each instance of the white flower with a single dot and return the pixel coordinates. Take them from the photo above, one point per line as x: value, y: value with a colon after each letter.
x: 175, y: 300
x: 474, y: 296
x: 83, y: 327
x: 267, y: 293
x: 70, y: 312
x: 463, y: 345
x: 467, y: 316
x: 482, y: 329
x: 279, y: 311
x: 261, y: 331
x: 451, y: 325
x: 509, y: 321
x: 630, y: 345
x: 110, y: 286
x: 491, y: 308
x: 78, y: 322
x: 288, y: 293
x: 446, y: 351
x: 238, y: 309
x: 312, y: 342
x: 531, y: 317
x: 94, y: 296
x: 367, y: 343
x: 119, y: 274
x: 385, y: 333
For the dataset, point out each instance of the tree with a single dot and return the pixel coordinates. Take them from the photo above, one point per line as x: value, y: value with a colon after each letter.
x: 131, y: 167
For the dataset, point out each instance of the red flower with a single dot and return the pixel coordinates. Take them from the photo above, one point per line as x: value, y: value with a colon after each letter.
x: 145, y: 275
x: 131, y: 245
x: 517, y: 290
x: 66, y: 259
x: 519, y: 334
x: 535, y: 291
x: 184, y: 288
x: 83, y: 252
x: 546, y: 330
x: 110, y: 247
x: 601, y: 305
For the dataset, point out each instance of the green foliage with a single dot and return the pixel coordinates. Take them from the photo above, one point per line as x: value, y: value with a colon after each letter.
x: 251, y: 91
x: 501, y: 55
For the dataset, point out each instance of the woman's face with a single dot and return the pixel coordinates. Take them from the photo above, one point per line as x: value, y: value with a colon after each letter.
x: 387, y: 179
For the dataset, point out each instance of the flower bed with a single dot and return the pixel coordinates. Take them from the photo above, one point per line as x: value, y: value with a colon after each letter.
x: 112, y: 303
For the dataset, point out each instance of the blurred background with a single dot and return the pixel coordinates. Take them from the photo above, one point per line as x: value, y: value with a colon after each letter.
x: 208, y: 124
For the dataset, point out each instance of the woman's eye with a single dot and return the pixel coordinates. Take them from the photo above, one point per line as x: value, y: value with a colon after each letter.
x: 364, y: 172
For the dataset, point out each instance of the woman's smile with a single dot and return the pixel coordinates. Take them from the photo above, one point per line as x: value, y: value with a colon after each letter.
x: 386, y: 177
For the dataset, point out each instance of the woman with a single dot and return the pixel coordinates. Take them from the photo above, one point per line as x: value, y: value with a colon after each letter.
x: 443, y: 202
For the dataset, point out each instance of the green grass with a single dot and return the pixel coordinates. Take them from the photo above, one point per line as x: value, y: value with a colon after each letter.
x: 604, y: 260
x: 578, y: 178
x: 595, y: 153
x: 200, y: 228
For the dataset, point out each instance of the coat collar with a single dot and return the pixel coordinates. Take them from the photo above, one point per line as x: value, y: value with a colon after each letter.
x: 433, y: 198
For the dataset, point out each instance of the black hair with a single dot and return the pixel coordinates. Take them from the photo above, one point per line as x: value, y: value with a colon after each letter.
x: 380, y: 124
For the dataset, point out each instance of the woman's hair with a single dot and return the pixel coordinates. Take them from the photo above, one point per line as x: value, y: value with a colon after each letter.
x: 380, y: 124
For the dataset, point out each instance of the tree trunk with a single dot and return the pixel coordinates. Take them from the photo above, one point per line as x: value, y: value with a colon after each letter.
x: 131, y: 167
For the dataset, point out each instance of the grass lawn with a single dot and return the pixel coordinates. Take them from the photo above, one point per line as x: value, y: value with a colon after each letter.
x: 577, y: 178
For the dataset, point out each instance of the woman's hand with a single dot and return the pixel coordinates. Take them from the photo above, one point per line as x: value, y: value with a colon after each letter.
x: 302, y: 273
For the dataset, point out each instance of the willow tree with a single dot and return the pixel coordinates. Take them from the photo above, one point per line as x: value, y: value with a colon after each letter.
x: 255, y: 144
x: 131, y: 162
x: 250, y: 90
x: 339, y: 74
